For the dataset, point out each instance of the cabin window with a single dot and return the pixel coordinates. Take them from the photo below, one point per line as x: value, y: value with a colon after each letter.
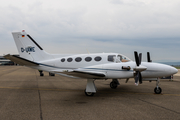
x: 69, y: 59
x: 111, y: 58
x: 63, y: 59
x: 98, y: 58
x: 88, y: 59
x: 78, y: 59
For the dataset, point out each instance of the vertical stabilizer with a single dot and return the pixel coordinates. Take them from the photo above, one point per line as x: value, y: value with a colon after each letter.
x: 28, y: 48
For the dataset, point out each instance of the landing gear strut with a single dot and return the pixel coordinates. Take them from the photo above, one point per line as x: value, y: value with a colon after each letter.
x: 114, y: 83
x: 157, y: 89
x: 41, y: 73
x: 90, y: 88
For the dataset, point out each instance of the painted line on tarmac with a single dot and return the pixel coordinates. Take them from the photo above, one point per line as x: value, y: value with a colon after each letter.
x: 68, y: 90
x: 45, y: 89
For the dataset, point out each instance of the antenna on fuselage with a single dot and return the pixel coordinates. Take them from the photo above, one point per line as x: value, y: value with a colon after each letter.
x: 88, y: 51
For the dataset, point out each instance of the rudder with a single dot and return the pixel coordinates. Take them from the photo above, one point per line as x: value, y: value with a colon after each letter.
x: 28, y: 48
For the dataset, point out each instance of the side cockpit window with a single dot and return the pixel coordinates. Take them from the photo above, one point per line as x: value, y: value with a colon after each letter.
x: 122, y: 58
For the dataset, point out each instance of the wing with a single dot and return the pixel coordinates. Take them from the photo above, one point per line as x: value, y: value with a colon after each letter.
x: 86, y: 74
x: 68, y: 73
x: 20, y: 61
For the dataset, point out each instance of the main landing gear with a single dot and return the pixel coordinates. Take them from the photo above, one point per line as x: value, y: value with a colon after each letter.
x: 157, y: 89
x: 90, y: 87
x: 114, y: 83
x: 41, y: 73
x: 89, y: 93
x: 51, y: 74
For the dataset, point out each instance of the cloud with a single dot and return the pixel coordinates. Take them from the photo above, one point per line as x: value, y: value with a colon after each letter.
x: 101, y: 26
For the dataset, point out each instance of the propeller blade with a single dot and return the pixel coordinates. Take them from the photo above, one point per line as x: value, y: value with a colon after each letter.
x: 140, y: 58
x: 137, y: 78
x: 136, y: 58
x: 148, y: 57
x: 140, y: 78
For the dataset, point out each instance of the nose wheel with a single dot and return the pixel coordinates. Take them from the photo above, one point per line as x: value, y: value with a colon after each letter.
x: 157, y: 89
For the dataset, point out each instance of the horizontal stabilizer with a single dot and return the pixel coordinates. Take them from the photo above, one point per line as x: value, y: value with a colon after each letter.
x: 20, y: 61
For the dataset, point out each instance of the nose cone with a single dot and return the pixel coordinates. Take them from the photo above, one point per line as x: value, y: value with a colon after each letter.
x: 160, y: 70
x: 173, y: 70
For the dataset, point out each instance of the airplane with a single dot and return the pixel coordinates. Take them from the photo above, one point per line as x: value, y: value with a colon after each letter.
x: 94, y: 66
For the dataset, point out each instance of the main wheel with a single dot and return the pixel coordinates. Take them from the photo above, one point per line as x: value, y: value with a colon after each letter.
x: 157, y: 90
x: 89, y: 93
x: 41, y: 74
x: 51, y: 74
x: 113, y: 85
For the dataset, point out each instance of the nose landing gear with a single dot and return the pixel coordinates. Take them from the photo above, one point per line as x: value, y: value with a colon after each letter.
x: 157, y: 89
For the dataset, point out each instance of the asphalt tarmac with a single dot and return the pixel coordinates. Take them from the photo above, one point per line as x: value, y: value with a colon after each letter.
x: 24, y: 95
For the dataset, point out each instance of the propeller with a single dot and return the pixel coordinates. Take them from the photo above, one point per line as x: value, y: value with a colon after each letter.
x: 136, y: 58
x: 138, y: 69
x: 138, y: 78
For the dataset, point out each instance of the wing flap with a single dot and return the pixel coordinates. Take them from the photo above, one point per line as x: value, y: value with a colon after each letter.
x: 20, y: 61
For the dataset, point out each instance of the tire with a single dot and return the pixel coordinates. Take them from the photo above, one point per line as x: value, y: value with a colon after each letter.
x: 89, y: 93
x: 113, y: 85
x: 41, y: 74
x: 51, y: 74
x: 157, y: 90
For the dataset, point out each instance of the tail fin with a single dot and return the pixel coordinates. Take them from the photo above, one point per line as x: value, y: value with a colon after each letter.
x: 28, y: 48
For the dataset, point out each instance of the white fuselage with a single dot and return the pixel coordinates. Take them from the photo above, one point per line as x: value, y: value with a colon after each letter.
x: 111, y: 68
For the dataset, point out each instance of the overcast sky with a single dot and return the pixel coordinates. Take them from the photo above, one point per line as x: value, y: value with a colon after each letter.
x: 95, y: 26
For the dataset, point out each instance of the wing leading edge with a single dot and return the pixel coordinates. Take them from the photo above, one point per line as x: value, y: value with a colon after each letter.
x: 86, y: 74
